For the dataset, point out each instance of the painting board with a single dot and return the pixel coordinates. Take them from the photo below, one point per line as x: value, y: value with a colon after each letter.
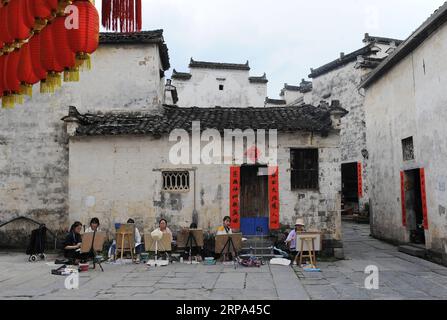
x: 183, y: 235
x: 98, y: 242
x: 222, y: 239
x: 165, y: 244
x: 317, y: 241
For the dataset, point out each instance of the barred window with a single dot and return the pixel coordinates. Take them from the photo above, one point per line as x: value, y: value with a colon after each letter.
x: 304, y: 169
x: 175, y: 181
x: 408, y: 149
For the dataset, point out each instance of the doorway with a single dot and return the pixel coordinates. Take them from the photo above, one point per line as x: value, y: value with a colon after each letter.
x: 350, y: 191
x: 413, y: 205
x: 254, y: 201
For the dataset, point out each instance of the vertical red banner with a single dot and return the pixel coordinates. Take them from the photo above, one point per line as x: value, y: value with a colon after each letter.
x: 424, y: 198
x: 360, y: 179
x: 274, y: 197
x: 235, y: 188
x: 402, y: 197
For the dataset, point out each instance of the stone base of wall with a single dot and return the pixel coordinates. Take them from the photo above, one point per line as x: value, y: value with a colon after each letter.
x: 332, y: 248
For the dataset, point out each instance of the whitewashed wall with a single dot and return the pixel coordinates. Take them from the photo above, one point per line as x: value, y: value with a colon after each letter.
x: 410, y: 100
x: 202, y: 90
x: 34, y: 143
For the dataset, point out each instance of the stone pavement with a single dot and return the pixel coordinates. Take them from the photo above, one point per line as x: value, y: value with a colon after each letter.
x: 401, y: 277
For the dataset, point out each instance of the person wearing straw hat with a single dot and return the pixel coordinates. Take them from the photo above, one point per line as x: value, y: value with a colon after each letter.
x: 292, y: 237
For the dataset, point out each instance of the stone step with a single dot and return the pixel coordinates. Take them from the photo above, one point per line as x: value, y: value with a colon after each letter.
x: 413, y: 251
x: 258, y: 250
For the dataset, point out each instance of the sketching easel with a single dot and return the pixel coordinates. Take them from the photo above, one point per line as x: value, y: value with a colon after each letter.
x: 229, y: 243
x: 125, y: 240
x: 194, y: 239
x: 308, y: 245
x: 164, y: 245
x: 92, y: 243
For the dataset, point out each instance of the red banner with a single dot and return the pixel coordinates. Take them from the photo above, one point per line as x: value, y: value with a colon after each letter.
x: 402, y: 196
x: 274, y: 197
x: 235, y: 187
x: 360, y: 179
x: 424, y: 198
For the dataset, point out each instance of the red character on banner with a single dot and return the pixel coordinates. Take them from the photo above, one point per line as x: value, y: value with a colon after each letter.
x: 404, y: 209
x: 274, y: 198
x: 235, y: 181
x: 360, y: 179
x: 424, y: 198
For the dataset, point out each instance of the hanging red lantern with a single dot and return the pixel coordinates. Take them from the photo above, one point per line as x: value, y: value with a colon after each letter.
x: 122, y: 15
x: 2, y: 67
x: 65, y: 56
x: 34, y: 46
x: 26, y: 74
x: 19, y: 23
x: 43, y: 10
x: 84, y: 40
x: 10, y: 80
x: 5, y: 37
x: 49, y: 61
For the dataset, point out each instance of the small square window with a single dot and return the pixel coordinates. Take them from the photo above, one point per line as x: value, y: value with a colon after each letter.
x: 221, y: 87
x: 304, y: 169
x: 176, y: 181
x: 408, y: 149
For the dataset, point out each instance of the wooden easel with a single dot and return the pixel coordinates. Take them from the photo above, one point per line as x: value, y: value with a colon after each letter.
x: 125, y: 237
x: 310, y: 246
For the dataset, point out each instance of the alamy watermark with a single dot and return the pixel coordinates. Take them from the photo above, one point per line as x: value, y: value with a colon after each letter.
x: 234, y: 147
x: 372, y: 280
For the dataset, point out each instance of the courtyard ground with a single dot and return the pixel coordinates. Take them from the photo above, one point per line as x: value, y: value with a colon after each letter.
x: 401, y: 277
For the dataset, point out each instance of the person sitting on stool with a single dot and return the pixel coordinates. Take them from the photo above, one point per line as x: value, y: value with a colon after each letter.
x: 94, y: 226
x: 225, y: 228
x: 72, y: 244
x: 291, y: 240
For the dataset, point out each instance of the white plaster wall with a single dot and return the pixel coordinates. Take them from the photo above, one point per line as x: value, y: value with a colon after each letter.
x: 202, y: 90
x: 118, y: 173
x: 410, y: 100
x: 33, y: 139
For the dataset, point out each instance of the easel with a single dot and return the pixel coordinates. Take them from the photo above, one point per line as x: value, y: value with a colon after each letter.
x: 153, y: 245
x: 194, y: 240
x: 310, y: 246
x: 92, y: 247
x: 230, y: 246
x: 126, y: 233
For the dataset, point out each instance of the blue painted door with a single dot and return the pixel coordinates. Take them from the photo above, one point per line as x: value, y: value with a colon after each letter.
x: 255, y: 226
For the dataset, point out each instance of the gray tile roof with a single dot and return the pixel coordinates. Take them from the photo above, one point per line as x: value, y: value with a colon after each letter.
x: 284, y: 119
x: 219, y: 65
x: 261, y: 79
x: 181, y: 75
x: 143, y: 37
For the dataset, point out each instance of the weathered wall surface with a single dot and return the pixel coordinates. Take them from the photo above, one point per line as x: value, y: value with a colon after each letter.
x: 34, y: 143
x: 410, y: 100
x: 341, y: 84
x: 202, y: 90
x: 114, y: 178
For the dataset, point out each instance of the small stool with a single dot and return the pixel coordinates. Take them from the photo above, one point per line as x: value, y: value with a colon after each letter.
x: 310, y: 243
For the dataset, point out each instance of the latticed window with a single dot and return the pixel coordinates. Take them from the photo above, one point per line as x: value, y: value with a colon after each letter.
x: 304, y: 168
x: 175, y: 181
x: 408, y: 149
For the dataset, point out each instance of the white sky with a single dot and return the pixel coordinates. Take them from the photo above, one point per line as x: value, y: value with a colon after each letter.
x: 283, y: 38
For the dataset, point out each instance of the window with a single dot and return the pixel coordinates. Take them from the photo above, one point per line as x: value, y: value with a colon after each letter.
x: 175, y: 181
x: 221, y: 87
x: 408, y: 149
x: 304, y: 168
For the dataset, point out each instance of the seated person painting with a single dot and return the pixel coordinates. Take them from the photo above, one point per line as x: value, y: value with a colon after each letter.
x: 72, y: 244
x: 94, y: 226
x: 291, y: 240
x: 225, y: 228
x: 163, y: 228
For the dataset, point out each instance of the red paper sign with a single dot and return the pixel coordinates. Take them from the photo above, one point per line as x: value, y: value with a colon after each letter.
x: 360, y: 179
x: 424, y: 198
x: 235, y: 187
x: 274, y: 198
x: 402, y: 196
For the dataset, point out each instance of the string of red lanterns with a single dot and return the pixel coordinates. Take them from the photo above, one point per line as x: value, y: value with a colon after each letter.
x: 36, y: 46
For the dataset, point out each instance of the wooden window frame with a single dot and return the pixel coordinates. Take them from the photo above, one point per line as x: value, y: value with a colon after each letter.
x: 298, y: 170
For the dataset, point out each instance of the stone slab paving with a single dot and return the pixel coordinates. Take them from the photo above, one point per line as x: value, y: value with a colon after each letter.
x: 401, y: 277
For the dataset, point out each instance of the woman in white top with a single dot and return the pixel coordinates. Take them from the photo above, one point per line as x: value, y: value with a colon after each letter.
x: 94, y: 226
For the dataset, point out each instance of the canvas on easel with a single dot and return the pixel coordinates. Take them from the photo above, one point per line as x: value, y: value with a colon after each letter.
x: 183, y: 237
x: 97, y: 239
x: 317, y: 241
x: 165, y: 244
x: 222, y: 241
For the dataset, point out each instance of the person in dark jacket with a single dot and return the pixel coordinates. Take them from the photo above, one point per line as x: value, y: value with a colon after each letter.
x: 72, y: 244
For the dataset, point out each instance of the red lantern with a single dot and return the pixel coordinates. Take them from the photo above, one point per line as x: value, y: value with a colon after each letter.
x: 44, y: 9
x: 49, y: 61
x: 19, y: 23
x: 5, y: 36
x: 34, y: 45
x: 65, y: 57
x: 2, y: 67
x: 84, y: 40
x: 26, y: 74
x: 11, y: 81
